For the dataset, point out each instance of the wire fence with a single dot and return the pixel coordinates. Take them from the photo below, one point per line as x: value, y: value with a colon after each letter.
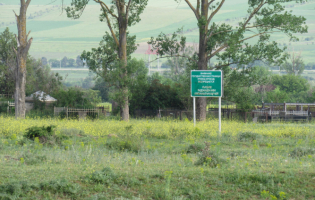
x: 81, y: 113
x: 230, y: 114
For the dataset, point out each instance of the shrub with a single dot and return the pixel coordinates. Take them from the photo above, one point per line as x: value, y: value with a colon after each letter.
x: 32, y: 159
x: 247, y: 136
x: 61, y: 186
x: 43, y: 133
x: 195, y: 148
x: 300, y: 152
x: 118, y: 144
x: 208, y: 157
x: 105, y: 176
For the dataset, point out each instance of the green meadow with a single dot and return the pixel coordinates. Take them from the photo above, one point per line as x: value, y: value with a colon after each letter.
x: 155, y: 159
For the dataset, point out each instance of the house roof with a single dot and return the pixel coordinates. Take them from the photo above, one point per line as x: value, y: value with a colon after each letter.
x: 42, y: 96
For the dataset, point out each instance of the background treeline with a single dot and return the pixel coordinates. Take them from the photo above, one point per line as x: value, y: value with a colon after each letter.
x: 171, y: 89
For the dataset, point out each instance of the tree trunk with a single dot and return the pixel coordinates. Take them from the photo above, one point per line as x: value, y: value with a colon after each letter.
x: 202, y: 62
x: 21, y: 55
x: 122, y: 52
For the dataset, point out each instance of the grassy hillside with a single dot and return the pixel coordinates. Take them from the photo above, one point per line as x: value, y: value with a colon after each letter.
x: 56, y: 36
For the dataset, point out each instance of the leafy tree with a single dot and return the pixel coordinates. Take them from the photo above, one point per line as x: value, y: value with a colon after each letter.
x: 41, y: 78
x: 103, y: 88
x: 76, y: 98
x: 64, y: 62
x: 277, y: 96
x: 229, y: 44
x: 44, y: 61
x: 119, y: 15
x: 290, y: 83
x: 54, y: 63
x: 310, y: 66
x: 23, y: 46
x: 7, y: 62
x: 160, y: 96
x: 79, y: 62
x: 103, y: 61
x: 295, y: 64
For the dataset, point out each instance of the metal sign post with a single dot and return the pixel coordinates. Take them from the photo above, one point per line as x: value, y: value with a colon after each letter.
x: 206, y: 83
x: 194, y: 107
x: 220, y: 115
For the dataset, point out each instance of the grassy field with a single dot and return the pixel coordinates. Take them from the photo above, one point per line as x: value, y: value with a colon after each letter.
x: 56, y: 36
x: 148, y: 159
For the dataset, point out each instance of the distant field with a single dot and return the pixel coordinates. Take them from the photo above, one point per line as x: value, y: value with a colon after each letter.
x: 56, y: 36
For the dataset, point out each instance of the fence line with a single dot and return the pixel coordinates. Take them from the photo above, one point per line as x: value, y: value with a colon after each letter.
x: 82, y: 112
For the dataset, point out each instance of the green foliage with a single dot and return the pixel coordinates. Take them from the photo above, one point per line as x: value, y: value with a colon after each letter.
x: 195, y: 148
x: 247, y: 136
x: 294, y: 65
x: 105, y: 63
x: 160, y: 96
x: 277, y: 96
x: 3, y: 107
x: 290, y: 83
x: 209, y: 158
x: 77, y: 98
x: 103, y: 88
x: 106, y: 176
x: 301, y: 151
x: 32, y: 159
x: 40, y: 132
x: 62, y: 186
x: 124, y: 144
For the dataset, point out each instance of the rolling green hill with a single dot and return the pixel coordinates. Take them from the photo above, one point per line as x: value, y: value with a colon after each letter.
x: 56, y: 36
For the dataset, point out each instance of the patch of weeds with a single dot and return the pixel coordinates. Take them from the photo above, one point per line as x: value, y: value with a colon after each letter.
x: 105, y: 176
x: 248, y: 136
x: 235, y: 154
x: 45, y: 134
x: 208, y: 157
x: 41, y: 132
x: 17, y: 189
x: 300, y: 152
x: 98, y: 197
x: 131, y: 145
x: 32, y: 159
x: 157, y: 176
x: 61, y: 186
x: 195, y: 148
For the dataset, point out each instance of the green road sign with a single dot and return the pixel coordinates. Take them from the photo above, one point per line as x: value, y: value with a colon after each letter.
x: 206, y: 83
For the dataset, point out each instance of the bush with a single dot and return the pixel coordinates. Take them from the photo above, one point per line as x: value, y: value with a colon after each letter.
x: 43, y: 133
x: 60, y: 186
x: 31, y: 159
x: 208, y: 157
x: 3, y: 107
x: 300, y: 152
x: 195, y: 148
x: 106, y: 176
x: 124, y: 145
x: 46, y: 135
x: 247, y: 136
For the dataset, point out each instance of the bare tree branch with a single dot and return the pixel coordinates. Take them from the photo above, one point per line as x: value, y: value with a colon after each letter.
x: 29, y: 44
x: 28, y: 3
x: 28, y: 34
x: 107, y: 8
x: 215, y: 12
x: 111, y: 29
x: 254, y: 12
x: 225, y: 46
x: 17, y: 41
x: 127, y: 8
x: 193, y: 9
